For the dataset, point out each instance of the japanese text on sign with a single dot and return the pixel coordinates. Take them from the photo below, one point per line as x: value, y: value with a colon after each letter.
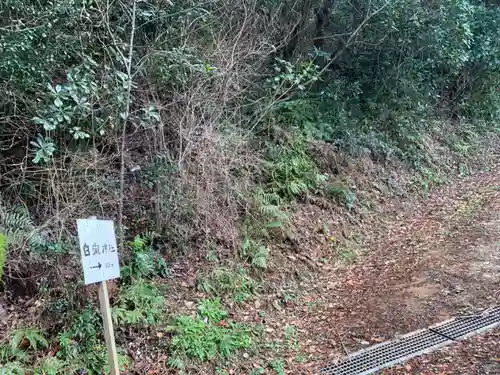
x: 98, y: 250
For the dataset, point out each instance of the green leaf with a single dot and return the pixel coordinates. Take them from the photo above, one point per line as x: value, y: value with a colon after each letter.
x: 16, y: 339
x: 274, y: 224
x: 124, y: 77
x: 58, y: 102
x: 37, y: 158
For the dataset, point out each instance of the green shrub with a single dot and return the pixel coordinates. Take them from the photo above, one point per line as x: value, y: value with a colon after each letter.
x: 212, y: 310
x: 17, y: 225
x: 179, y: 67
x: 290, y: 78
x: 52, y: 366
x: 267, y: 214
x: 383, y: 82
x: 81, y: 346
x: 13, y: 368
x: 84, y: 329
x: 278, y: 365
x: 35, y: 338
x: 369, y: 77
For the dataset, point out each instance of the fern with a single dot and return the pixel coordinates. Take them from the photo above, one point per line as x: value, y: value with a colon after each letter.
x: 224, y: 281
x: 269, y: 206
x: 17, y: 226
x: 259, y: 259
x: 291, y: 171
x: 51, y: 366
x: 33, y: 336
x: 203, y: 339
x: 212, y: 310
x: 145, y: 261
x: 255, y: 253
x: 176, y: 362
x: 13, y: 368
x: 139, y: 303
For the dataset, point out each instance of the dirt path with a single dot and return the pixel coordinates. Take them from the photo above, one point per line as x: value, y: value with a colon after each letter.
x: 422, y: 263
x: 438, y: 260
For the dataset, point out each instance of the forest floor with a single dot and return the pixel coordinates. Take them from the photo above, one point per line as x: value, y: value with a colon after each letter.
x: 354, y: 279
x: 424, y: 263
x: 414, y: 263
x: 418, y: 262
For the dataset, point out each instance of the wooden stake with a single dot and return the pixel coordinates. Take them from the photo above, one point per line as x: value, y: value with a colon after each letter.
x: 107, y: 323
x: 109, y: 334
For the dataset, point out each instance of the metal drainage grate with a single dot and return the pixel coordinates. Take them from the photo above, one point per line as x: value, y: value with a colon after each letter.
x: 389, y: 353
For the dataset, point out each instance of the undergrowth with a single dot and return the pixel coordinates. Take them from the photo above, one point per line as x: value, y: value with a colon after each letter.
x: 144, y: 261
x: 208, y: 334
x: 195, y: 125
x: 140, y: 303
x: 79, y: 349
x: 236, y: 284
x: 291, y: 171
x: 3, y: 253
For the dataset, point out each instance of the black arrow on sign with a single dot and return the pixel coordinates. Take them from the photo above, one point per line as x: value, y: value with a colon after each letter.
x: 99, y: 265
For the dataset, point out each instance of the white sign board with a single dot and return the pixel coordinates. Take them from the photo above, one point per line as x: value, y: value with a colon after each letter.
x: 98, y: 249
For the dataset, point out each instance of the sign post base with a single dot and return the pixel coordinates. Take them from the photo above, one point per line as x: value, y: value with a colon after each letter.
x: 109, y: 334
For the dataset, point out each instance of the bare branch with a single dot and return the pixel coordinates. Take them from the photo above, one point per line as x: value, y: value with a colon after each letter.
x: 128, y: 66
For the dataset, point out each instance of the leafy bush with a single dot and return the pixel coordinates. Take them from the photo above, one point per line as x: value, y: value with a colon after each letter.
x: 81, y: 347
x: 267, y: 214
x: 18, y: 227
x: 212, y: 310
x: 388, y: 68
x: 291, y: 77
x: 217, y: 127
x: 52, y: 366
x: 255, y: 253
x: 179, y: 67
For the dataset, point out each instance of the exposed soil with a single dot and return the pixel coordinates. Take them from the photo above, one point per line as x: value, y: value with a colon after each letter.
x: 373, y: 276
x: 436, y: 259
x: 363, y: 278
